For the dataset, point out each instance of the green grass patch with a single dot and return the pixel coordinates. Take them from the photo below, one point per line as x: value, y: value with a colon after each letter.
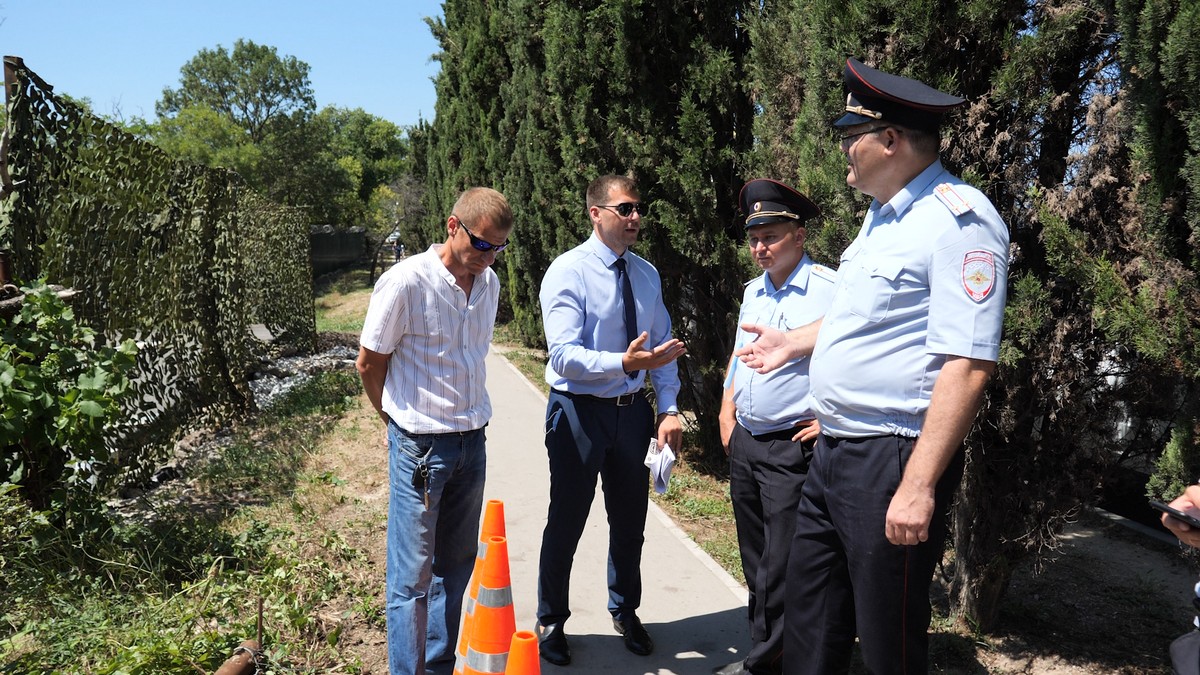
x: 340, y: 301
x: 177, y: 591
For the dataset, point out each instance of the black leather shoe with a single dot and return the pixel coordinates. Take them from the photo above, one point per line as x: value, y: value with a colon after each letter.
x: 637, y: 640
x: 552, y: 644
x: 738, y: 668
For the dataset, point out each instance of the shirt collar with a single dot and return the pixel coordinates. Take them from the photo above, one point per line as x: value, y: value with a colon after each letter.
x: 903, y: 199
x: 441, y: 270
x: 798, y: 277
x: 602, y: 251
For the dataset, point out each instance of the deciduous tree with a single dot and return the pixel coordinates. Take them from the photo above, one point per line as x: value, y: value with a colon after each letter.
x: 251, y: 85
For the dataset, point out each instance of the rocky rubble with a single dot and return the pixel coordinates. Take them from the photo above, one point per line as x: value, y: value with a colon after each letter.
x: 198, y: 446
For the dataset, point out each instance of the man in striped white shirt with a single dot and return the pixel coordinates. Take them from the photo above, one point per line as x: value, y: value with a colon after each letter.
x: 421, y: 359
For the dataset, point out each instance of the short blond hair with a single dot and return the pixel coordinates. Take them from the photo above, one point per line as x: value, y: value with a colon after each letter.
x: 484, y: 202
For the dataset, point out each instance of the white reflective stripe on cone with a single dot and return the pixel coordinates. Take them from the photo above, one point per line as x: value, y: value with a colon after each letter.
x: 494, y: 597
x: 487, y: 663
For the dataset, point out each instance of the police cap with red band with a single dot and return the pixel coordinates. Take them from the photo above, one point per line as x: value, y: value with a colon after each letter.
x: 766, y: 201
x: 876, y: 96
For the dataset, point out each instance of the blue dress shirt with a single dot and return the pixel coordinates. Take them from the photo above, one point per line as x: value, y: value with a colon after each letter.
x: 584, y: 319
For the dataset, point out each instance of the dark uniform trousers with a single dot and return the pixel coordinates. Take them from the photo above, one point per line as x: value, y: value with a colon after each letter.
x: 844, y: 577
x: 766, y: 473
x: 586, y: 437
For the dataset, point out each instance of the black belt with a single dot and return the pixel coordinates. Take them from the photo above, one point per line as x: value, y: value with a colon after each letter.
x: 781, y: 435
x: 619, y: 401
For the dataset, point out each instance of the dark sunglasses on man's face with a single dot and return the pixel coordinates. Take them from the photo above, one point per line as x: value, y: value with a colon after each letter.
x: 625, y: 209
x: 479, y: 244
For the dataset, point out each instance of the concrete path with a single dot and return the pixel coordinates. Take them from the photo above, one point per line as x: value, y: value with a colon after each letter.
x: 693, y: 609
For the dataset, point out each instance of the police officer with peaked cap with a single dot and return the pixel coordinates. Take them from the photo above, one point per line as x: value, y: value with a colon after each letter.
x: 767, y: 424
x: 898, y: 367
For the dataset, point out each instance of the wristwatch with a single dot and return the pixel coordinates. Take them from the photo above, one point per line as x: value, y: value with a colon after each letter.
x: 672, y: 413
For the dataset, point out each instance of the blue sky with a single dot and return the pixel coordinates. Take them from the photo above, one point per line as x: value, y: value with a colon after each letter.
x: 120, y: 54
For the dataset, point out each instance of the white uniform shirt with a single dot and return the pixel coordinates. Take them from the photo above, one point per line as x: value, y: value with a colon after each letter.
x: 781, y: 398
x: 438, y: 339
x: 925, y: 278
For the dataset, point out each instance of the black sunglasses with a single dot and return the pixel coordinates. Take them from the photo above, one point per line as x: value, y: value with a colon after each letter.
x: 625, y: 209
x: 479, y: 244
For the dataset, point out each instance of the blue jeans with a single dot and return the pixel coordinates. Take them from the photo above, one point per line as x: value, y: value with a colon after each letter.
x: 430, y: 550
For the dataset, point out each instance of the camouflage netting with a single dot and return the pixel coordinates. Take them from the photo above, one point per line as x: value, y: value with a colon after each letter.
x: 182, y: 258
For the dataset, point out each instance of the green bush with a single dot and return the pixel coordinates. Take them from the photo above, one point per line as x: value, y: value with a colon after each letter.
x: 59, y: 389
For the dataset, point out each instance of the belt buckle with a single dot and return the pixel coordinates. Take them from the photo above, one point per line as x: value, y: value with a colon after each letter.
x: 625, y: 399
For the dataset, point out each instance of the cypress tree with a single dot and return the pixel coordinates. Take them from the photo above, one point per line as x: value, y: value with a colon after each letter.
x: 1160, y: 64
x: 623, y: 86
x: 1087, y: 145
x: 464, y: 147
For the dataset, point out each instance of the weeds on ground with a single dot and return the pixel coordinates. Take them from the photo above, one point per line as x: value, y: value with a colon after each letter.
x: 178, y: 591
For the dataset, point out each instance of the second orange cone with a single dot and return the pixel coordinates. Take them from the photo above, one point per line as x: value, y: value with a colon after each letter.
x: 493, y: 621
x: 493, y: 526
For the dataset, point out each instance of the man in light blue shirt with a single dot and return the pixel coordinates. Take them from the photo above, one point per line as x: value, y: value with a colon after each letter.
x: 606, y: 330
x: 899, y: 366
x: 767, y: 424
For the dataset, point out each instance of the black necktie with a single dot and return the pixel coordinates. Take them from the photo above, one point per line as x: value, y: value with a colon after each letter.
x: 631, y: 331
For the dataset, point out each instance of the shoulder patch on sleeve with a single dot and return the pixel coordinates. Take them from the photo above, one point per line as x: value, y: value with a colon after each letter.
x: 824, y: 272
x: 948, y: 196
x: 978, y: 274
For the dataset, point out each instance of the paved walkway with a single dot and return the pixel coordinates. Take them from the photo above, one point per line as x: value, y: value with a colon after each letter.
x: 694, y: 610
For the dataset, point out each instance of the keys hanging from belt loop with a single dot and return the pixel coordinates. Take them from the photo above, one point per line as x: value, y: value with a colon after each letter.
x: 420, y: 480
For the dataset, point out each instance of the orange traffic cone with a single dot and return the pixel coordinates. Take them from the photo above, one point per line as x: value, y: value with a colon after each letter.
x: 493, y: 520
x: 494, y: 621
x: 493, y: 526
x: 464, y: 635
x: 523, y: 655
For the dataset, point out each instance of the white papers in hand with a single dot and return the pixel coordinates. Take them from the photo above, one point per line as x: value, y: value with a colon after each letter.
x: 660, y: 463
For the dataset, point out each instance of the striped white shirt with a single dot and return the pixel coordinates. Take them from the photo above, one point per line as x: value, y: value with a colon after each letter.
x: 438, y: 339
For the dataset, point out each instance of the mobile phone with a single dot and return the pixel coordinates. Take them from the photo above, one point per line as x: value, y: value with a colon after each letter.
x: 1176, y: 513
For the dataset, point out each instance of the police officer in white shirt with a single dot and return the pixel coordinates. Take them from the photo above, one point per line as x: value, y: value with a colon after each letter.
x: 767, y: 424
x: 899, y: 367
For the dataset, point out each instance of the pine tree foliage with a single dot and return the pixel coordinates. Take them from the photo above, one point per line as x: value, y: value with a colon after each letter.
x: 464, y: 149
x: 1160, y: 63
x: 547, y: 207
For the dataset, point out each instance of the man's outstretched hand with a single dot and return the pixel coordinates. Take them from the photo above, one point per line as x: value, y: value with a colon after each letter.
x: 770, y: 350
x: 637, y: 357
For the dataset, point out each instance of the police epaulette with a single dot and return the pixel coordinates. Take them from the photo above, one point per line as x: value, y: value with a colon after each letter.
x: 947, y: 195
x: 824, y: 272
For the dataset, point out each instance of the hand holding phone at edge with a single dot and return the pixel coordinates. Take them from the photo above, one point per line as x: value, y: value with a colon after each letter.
x: 1188, y: 502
